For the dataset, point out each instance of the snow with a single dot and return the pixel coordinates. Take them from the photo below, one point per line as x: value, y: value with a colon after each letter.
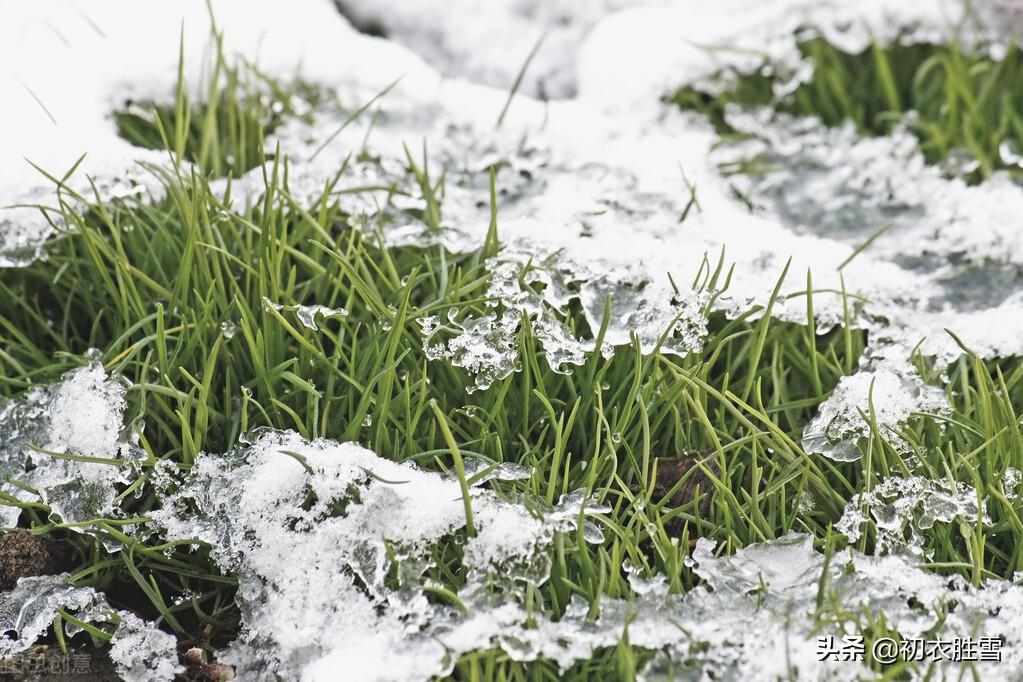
x: 591, y: 191
x: 902, y: 510
x: 309, y: 526
x: 298, y: 562
x: 493, y: 47
x: 883, y: 397
x: 139, y: 650
x: 82, y: 415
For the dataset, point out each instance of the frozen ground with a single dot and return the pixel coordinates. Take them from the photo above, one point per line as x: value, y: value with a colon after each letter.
x: 591, y: 190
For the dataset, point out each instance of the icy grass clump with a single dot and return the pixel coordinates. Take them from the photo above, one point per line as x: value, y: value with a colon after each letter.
x: 884, y: 397
x: 305, y: 314
x: 903, y: 510
x: 30, y: 216
x: 309, y: 528
x: 958, y: 240
x: 81, y: 415
x: 27, y: 611
x: 599, y: 188
x: 647, y: 51
x: 140, y: 651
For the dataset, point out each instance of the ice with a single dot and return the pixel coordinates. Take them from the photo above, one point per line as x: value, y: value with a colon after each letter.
x: 589, y: 191
x: 139, y: 650
x: 27, y: 611
x: 307, y: 526
x: 479, y: 470
x: 486, y: 347
x: 311, y: 525
x: 681, y: 42
x: 307, y: 314
x: 902, y: 510
x: 82, y: 415
x: 29, y: 216
x: 1010, y: 482
x: 884, y: 397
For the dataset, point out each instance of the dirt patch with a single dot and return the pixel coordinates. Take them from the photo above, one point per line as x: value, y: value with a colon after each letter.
x: 685, y: 482
x: 21, y: 555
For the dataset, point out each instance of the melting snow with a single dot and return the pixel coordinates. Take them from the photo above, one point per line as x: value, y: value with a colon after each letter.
x: 591, y: 195
x: 884, y: 397
x: 493, y: 47
x: 902, y: 510
x: 308, y: 527
x: 80, y: 416
x: 141, y: 652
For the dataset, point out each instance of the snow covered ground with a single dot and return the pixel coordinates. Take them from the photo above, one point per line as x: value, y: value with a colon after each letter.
x: 594, y: 182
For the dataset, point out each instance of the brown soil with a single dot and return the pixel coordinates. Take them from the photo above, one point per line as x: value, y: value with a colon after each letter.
x: 670, y: 471
x: 21, y: 554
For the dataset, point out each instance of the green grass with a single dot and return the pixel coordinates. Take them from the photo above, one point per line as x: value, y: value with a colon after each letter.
x: 153, y: 286
x: 963, y: 101
x: 223, y: 133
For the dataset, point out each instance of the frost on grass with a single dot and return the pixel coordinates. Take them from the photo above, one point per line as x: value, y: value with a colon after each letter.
x: 902, y: 512
x: 43, y: 431
x: 139, y: 650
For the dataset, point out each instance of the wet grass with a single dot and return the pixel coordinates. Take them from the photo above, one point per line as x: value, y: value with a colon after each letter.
x: 173, y: 294
x: 962, y: 104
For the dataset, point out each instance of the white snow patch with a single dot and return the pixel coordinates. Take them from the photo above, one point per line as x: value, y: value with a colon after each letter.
x: 310, y: 526
x: 82, y: 415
